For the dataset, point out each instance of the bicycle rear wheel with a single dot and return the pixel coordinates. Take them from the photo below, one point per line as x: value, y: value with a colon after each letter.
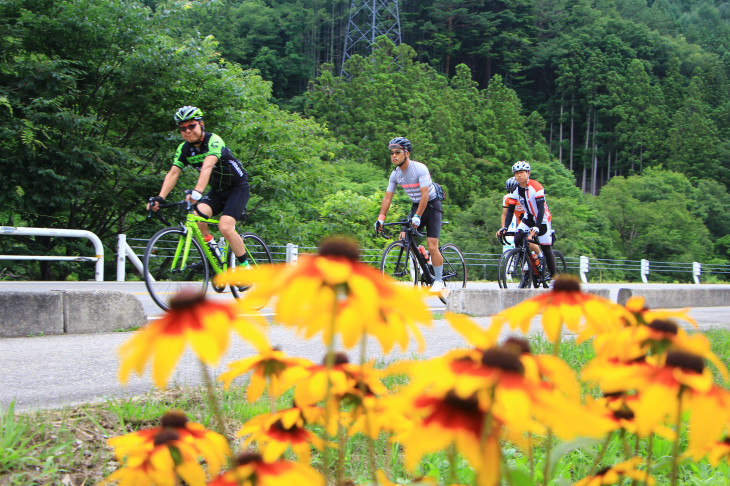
x: 257, y: 254
x: 167, y: 272
x: 454, y: 268
x: 400, y: 263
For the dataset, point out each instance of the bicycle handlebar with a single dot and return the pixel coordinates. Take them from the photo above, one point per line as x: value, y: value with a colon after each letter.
x: 157, y: 213
x: 407, y: 226
x: 503, y: 236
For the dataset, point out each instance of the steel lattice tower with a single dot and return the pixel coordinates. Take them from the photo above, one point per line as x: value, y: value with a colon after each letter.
x: 370, y: 19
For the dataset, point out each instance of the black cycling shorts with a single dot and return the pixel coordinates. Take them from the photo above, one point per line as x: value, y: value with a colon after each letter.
x: 431, y: 218
x: 231, y: 201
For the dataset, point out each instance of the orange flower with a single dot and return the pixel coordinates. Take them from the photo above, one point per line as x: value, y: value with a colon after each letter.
x: 333, y: 293
x: 643, y: 315
x: 159, y: 455
x: 276, y: 432
x: 193, y: 319
x: 616, y: 473
x: 269, y: 364
x: 582, y: 313
x: 252, y: 470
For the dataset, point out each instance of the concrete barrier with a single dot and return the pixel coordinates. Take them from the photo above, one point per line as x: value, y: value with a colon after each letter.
x: 486, y: 302
x: 61, y: 311
x: 678, y: 298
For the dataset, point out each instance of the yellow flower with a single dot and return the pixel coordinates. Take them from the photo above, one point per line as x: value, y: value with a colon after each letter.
x: 333, y: 293
x: 159, y: 455
x: 269, y: 364
x: 582, y: 313
x: 275, y: 433
x: 192, y: 319
x: 643, y: 315
x: 662, y: 380
x: 616, y: 473
x: 252, y: 470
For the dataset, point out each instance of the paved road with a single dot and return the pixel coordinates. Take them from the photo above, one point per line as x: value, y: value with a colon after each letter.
x: 53, y: 371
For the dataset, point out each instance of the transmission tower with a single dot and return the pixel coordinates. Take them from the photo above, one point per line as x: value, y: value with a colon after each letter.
x: 369, y: 19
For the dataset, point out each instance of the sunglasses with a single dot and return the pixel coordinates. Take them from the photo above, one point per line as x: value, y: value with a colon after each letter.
x: 396, y: 152
x: 188, y: 127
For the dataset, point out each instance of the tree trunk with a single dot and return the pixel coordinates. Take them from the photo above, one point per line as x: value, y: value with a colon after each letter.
x: 560, y: 136
x: 585, y: 152
x: 608, y: 171
x: 572, y: 132
x: 594, y: 157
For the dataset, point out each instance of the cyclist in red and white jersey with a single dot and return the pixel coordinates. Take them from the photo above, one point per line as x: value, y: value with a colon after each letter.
x: 510, y: 185
x: 537, y: 218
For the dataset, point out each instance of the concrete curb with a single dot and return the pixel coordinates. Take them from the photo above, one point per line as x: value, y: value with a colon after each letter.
x: 678, y: 298
x: 475, y: 302
x: 73, y: 312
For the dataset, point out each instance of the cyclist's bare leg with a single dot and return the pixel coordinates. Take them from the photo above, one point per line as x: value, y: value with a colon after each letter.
x: 208, y: 212
x: 433, y: 248
x: 535, y: 247
x: 227, y: 227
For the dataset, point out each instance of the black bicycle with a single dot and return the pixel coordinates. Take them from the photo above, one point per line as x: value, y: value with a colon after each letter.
x: 517, y: 269
x: 405, y: 261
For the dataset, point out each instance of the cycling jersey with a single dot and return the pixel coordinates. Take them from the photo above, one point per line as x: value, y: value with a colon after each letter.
x: 519, y: 210
x: 528, y: 197
x: 227, y: 173
x: 412, y: 180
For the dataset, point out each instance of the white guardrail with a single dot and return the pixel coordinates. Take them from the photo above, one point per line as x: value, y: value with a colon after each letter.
x: 69, y: 233
x: 477, y: 263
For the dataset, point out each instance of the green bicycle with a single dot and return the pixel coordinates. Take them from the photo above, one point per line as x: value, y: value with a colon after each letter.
x: 178, y: 258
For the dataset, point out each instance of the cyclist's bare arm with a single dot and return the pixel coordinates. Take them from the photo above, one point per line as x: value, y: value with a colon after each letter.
x: 385, y: 205
x: 205, y: 171
x: 423, y: 202
x: 168, y: 184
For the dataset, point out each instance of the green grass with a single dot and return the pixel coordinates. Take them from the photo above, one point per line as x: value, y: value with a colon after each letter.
x: 68, y: 446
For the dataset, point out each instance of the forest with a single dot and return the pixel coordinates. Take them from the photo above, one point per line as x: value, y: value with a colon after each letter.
x: 621, y: 106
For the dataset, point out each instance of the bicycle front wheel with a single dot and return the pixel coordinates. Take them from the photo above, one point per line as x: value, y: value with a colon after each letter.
x: 512, y: 272
x: 257, y: 254
x: 400, y: 263
x: 454, y: 268
x: 166, y: 269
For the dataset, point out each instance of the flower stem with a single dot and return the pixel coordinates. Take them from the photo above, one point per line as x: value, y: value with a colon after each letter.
x: 601, y: 453
x: 675, y: 448
x: 213, y: 400
x: 548, y: 449
x: 368, y: 426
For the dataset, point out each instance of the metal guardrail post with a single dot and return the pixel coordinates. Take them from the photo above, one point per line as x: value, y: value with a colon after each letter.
x: 644, y: 270
x: 292, y: 253
x: 124, y: 251
x: 696, y: 271
x: 583, y: 268
x: 26, y: 231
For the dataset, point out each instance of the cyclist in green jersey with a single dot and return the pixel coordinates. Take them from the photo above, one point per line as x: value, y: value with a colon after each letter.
x: 208, y: 154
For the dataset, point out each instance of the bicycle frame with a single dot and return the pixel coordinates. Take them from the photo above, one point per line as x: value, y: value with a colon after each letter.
x: 409, y: 240
x: 191, y: 229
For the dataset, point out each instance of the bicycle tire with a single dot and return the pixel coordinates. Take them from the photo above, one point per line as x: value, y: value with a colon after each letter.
x: 161, y: 280
x: 400, y: 263
x: 258, y: 254
x: 509, y: 263
x: 502, y: 269
x: 454, y: 268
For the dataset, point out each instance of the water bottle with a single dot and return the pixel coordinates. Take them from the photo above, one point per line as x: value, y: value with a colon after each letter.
x: 213, y: 246
x: 535, y: 262
x: 425, y: 253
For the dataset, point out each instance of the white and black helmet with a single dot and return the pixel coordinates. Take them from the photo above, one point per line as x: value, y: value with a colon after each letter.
x: 511, y: 184
x: 521, y: 165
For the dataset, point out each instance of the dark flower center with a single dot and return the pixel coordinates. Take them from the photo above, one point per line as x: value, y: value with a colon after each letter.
x: 566, y: 283
x: 504, y: 360
x: 517, y: 345
x: 623, y: 414
x: 174, y: 419
x: 686, y: 361
x: 663, y: 325
x: 467, y: 406
x: 165, y: 436
x: 186, y: 298
x: 340, y: 359
x: 248, y: 457
x: 339, y: 247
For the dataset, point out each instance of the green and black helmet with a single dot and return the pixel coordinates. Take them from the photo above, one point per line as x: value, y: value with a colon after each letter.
x: 188, y: 113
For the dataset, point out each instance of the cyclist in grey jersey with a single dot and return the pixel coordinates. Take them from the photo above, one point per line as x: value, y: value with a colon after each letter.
x: 426, y: 210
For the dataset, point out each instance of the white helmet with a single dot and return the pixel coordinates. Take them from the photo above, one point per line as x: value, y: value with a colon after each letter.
x: 521, y: 165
